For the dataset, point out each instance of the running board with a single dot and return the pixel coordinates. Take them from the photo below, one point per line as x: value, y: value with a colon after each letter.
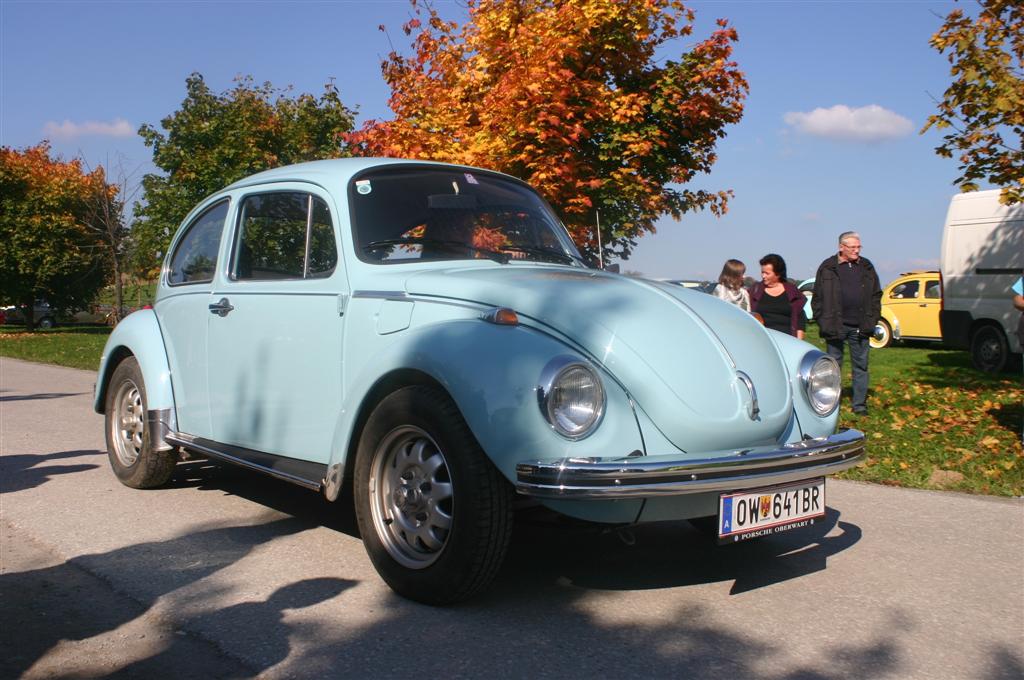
x: 292, y: 470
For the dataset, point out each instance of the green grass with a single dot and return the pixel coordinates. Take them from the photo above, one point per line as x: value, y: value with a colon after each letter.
x: 74, y: 346
x: 935, y: 422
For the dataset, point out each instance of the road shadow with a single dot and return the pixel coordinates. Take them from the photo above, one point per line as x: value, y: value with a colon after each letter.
x: 25, y: 471
x: 44, y: 395
x: 53, y: 604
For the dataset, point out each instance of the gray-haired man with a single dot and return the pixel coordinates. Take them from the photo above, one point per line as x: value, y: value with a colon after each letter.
x: 847, y: 304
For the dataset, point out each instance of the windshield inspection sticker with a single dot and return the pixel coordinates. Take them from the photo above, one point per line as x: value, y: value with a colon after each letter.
x: 363, y: 187
x: 471, y: 179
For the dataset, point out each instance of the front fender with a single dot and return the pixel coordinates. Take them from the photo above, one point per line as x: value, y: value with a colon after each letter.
x: 138, y: 335
x: 811, y: 424
x: 491, y: 372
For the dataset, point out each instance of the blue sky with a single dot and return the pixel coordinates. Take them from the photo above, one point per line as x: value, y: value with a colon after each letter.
x: 829, y: 140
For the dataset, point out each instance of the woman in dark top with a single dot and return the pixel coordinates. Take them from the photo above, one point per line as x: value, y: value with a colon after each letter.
x: 777, y: 300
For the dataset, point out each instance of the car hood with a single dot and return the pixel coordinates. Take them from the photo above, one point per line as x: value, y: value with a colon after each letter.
x: 677, y: 352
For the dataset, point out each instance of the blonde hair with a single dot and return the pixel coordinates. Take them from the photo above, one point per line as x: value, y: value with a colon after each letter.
x: 732, y: 274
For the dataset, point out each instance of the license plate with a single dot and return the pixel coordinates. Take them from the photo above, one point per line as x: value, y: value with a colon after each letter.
x: 771, y: 510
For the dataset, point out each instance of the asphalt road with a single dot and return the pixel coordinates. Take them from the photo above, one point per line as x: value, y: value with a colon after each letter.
x: 227, y: 574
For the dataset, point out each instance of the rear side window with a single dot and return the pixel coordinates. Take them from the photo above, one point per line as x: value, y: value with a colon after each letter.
x: 932, y: 290
x: 195, y: 258
x: 284, y: 235
x: 906, y: 291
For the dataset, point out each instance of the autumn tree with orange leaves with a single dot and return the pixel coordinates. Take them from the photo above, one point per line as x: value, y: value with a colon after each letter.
x: 573, y: 96
x: 48, y: 248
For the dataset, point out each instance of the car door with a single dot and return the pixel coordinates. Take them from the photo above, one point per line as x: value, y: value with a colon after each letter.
x: 929, y: 307
x: 182, y: 309
x: 275, y: 336
x: 906, y: 303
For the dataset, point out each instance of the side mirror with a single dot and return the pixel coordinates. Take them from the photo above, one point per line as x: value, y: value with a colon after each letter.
x: 613, y: 268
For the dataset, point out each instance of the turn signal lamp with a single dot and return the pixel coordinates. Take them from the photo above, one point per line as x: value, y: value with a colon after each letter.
x: 503, y: 316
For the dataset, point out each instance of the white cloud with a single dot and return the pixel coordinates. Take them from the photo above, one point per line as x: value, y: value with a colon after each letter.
x: 70, y: 130
x: 870, y: 123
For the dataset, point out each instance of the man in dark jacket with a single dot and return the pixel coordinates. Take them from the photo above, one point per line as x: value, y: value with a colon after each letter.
x: 847, y: 304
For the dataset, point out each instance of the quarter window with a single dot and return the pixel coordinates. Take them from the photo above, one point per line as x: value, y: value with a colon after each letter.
x: 284, y: 235
x: 906, y: 290
x: 195, y: 258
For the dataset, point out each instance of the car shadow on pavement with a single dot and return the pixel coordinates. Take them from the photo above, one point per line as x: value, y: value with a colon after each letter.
x: 665, y: 555
x: 309, y: 506
x: 27, y: 471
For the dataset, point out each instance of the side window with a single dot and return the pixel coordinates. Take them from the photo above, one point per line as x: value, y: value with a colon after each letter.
x: 906, y: 290
x: 195, y: 258
x: 272, y: 238
x: 323, y: 251
x: 932, y: 290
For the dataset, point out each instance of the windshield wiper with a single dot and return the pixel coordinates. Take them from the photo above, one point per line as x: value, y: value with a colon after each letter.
x: 550, y: 255
x: 501, y: 258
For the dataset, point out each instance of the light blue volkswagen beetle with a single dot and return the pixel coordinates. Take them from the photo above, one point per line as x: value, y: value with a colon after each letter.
x: 430, y: 333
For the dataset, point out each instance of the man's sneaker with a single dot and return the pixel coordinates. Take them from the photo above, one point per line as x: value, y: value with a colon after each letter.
x: 862, y: 411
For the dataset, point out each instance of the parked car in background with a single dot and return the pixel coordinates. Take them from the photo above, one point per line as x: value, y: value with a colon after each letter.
x: 44, y: 315
x: 429, y: 335
x: 807, y: 288
x: 982, y: 257
x: 910, y: 309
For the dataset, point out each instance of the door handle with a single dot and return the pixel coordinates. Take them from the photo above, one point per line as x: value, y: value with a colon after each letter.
x: 222, y: 308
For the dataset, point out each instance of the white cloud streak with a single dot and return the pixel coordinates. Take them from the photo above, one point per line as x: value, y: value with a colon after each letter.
x: 870, y: 123
x: 71, y: 130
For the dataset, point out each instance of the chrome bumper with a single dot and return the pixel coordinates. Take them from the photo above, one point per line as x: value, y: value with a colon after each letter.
x: 644, y: 476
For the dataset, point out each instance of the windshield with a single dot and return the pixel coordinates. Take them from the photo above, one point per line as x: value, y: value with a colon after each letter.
x: 416, y: 214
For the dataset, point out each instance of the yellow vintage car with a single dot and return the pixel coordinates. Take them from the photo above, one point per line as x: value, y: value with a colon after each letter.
x: 910, y: 309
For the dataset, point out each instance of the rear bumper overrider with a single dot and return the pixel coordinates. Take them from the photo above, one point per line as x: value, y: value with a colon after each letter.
x: 646, y: 476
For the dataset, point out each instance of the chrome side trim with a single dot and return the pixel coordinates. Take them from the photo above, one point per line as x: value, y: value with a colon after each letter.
x: 160, y: 423
x: 754, y: 409
x: 207, y: 448
x: 608, y: 478
x: 381, y: 294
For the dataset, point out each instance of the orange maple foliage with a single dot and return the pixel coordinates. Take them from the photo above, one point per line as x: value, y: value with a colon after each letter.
x: 571, y: 97
x: 48, y: 249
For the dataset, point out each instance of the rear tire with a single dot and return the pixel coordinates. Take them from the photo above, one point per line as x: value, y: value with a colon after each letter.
x: 989, y: 349
x: 434, y: 513
x: 885, y: 338
x: 47, y: 322
x: 129, y: 449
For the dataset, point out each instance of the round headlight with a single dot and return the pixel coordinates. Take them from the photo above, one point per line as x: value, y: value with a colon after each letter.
x: 822, y: 380
x: 571, y: 397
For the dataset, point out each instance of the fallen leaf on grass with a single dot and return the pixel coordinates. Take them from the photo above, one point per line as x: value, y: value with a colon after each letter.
x: 945, y: 478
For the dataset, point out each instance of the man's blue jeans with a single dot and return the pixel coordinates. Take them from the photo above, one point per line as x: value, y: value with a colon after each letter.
x: 858, y: 357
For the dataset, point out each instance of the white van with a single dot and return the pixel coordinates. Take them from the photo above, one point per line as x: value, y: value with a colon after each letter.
x: 982, y: 257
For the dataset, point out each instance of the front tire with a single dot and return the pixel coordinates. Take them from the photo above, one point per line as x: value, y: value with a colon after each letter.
x: 884, y: 335
x: 131, y: 453
x: 989, y: 349
x: 434, y: 513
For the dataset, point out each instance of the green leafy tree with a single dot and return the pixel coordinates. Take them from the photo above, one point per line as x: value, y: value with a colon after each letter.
x: 982, y: 112
x: 594, y: 102
x: 47, y: 249
x: 216, y: 139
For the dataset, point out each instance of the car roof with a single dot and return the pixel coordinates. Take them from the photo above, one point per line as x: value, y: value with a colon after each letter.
x: 336, y: 171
